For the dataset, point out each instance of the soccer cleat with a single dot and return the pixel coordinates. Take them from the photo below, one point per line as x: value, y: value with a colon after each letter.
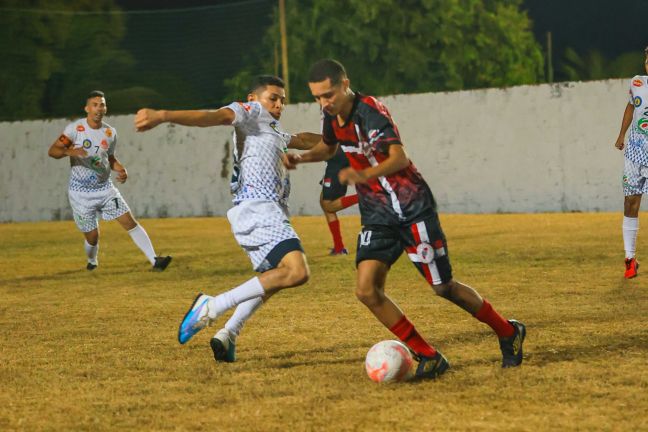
x: 91, y: 266
x: 161, y: 263
x: 431, y: 367
x: 342, y: 251
x: 512, y: 346
x: 632, y: 266
x: 223, y: 346
x: 196, y: 318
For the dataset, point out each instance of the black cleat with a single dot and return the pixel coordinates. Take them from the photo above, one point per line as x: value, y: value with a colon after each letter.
x: 512, y: 346
x: 223, y: 347
x: 161, y: 263
x: 91, y: 266
x: 431, y: 367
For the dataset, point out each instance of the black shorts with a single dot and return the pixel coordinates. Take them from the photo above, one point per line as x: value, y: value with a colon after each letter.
x: 332, y: 189
x: 423, y: 241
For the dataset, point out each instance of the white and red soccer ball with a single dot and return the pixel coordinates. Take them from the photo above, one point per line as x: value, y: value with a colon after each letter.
x: 389, y: 361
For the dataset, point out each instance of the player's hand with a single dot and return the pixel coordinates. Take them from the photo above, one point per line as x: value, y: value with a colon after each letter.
x: 351, y: 177
x: 76, y: 152
x: 122, y: 175
x: 290, y: 160
x: 619, y: 143
x: 146, y: 119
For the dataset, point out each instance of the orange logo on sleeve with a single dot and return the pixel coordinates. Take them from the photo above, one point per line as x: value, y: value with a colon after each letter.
x: 109, y: 132
x: 80, y: 128
x: 637, y: 83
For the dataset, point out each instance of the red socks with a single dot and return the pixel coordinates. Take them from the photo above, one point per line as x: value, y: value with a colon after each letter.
x: 338, y: 244
x: 348, y: 201
x: 497, y: 322
x: 406, y: 332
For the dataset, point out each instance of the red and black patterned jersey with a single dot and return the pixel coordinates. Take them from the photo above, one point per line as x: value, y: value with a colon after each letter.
x: 400, y: 198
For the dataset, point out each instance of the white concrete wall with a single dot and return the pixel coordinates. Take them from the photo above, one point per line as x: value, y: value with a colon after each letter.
x: 521, y: 149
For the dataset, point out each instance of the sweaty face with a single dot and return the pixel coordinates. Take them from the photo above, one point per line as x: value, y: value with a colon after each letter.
x: 272, y: 98
x: 96, y: 108
x: 331, y: 97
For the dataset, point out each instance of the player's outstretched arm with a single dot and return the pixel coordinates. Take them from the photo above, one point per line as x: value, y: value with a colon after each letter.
x: 147, y: 118
x: 63, y: 147
x: 304, y: 141
x: 320, y: 152
x: 625, y: 124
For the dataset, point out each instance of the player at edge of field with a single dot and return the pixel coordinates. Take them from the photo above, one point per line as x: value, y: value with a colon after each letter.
x: 90, y: 145
x: 635, y: 171
x: 259, y: 218
x: 398, y: 213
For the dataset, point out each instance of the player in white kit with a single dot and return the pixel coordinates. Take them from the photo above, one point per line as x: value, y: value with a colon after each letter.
x: 90, y: 145
x: 635, y: 173
x: 259, y: 218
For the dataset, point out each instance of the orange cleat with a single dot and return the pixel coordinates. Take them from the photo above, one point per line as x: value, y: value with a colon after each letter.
x: 631, y: 268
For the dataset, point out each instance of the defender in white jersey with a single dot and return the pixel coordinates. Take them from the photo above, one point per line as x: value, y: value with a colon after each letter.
x: 259, y: 218
x: 635, y: 173
x: 90, y: 145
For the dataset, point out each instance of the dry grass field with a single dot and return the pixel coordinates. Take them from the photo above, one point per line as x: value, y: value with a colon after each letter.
x: 97, y: 351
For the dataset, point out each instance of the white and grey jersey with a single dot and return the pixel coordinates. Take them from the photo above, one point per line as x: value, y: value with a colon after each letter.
x: 92, y: 172
x: 637, y: 148
x: 259, y: 144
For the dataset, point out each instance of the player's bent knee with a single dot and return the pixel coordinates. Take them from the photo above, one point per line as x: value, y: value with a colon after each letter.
x: 444, y: 290
x: 370, y: 296
x: 299, y: 275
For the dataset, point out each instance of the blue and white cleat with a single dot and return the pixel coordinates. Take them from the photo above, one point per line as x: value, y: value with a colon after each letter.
x: 196, y: 318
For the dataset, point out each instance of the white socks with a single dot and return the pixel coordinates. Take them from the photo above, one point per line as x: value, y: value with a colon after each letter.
x: 630, y: 228
x: 91, y: 252
x: 234, y: 297
x: 242, y: 313
x: 143, y: 242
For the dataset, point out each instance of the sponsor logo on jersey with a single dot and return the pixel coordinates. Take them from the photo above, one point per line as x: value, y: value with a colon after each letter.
x: 87, y: 143
x: 425, y: 252
x: 625, y: 179
x: 327, y: 182
x: 642, y: 125
x: 245, y: 107
x: 109, y: 132
x: 637, y: 101
x: 637, y: 83
x: 95, y: 162
x: 275, y: 127
x: 80, y: 128
x: 104, y: 144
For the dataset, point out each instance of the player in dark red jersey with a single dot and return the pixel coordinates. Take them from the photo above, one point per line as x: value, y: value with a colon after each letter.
x: 333, y: 199
x: 398, y: 213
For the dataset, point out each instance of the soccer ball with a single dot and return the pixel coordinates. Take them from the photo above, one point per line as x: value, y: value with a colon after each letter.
x: 389, y: 361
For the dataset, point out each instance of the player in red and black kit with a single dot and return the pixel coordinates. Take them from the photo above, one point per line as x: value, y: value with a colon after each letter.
x: 398, y: 213
x: 334, y: 199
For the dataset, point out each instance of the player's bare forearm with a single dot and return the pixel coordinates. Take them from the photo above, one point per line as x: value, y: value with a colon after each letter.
x: 116, y: 166
x: 304, y: 141
x: 146, y: 119
x: 320, y: 152
x: 625, y: 124
x: 62, y: 147
x: 396, y: 161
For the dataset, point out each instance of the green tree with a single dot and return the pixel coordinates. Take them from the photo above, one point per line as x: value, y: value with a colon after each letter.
x: 55, y: 51
x: 594, y: 66
x: 404, y: 46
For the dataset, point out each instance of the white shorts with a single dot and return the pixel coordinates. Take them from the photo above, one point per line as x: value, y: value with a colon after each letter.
x: 259, y: 227
x: 634, y: 178
x: 86, y: 207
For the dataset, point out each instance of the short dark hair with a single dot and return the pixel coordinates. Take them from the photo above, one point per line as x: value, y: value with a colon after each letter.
x: 327, y: 68
x: 95, y: 93
x: 264, y: 81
